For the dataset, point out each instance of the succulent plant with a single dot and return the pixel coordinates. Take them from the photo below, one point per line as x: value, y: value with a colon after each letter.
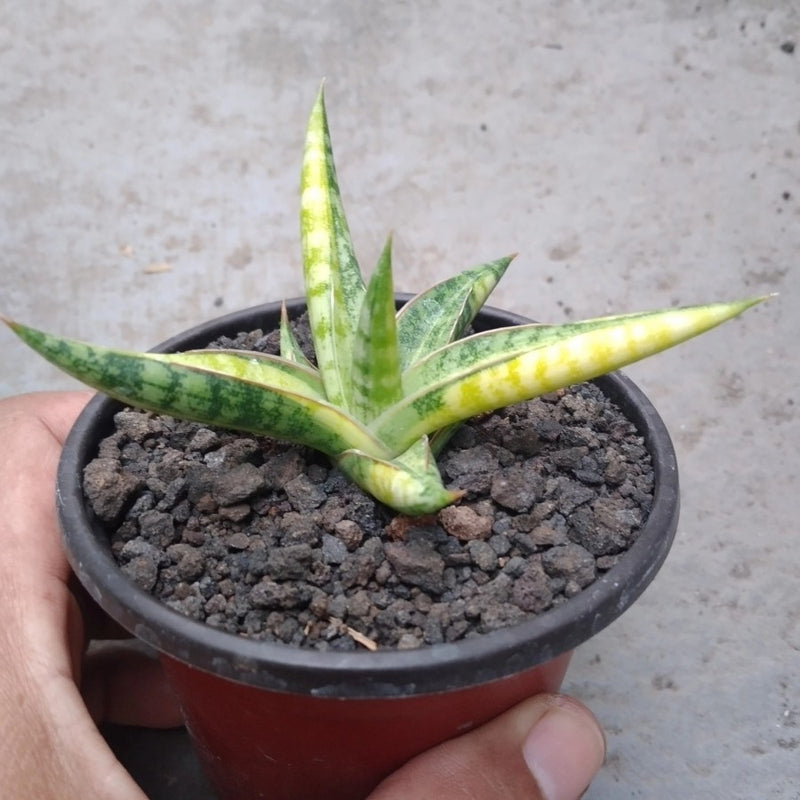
x: 389, y: 386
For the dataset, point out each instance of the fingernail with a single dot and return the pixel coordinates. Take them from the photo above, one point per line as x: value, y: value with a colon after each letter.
x: 564, y: 751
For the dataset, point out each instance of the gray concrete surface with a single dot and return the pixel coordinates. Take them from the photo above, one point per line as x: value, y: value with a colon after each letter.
x: 636, y: 154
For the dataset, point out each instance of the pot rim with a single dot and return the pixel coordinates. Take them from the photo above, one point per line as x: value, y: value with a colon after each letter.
x: 364, y: 674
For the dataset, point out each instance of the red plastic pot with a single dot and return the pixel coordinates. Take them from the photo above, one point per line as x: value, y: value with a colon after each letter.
x: 273, y: 721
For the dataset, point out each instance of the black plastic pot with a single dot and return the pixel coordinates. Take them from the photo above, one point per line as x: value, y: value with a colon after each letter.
x: 270, y: 720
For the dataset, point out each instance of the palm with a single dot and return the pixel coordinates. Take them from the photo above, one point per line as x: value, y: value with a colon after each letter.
x: 50, y: 622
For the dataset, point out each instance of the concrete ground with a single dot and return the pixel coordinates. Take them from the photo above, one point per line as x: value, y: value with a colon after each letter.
x: 637, y: 154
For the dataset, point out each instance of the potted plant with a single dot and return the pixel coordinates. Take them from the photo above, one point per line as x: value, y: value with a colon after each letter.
x: 381, y: 395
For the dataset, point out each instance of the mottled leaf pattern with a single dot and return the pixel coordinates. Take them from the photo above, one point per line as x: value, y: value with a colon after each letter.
x: 441, y: 314
x: 409, y: 483
x: 376, y: 367
x: 334, y: 287
x: 498, y: 368
x: 185, y: 385
x: 289, y: 347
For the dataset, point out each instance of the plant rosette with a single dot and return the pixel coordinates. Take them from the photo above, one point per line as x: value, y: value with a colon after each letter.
x: 382, y: 396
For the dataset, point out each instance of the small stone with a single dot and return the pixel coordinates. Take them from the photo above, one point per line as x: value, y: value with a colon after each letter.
x: 433, y: 633
x: 589, y: 476
x: 525, y: 543
x: 522, y: 440
x: 216, y: 604
x: 319, y: 605
x: 337, y: 607
x: 206, y: 504
x: 238, y: 541
x: 349, y: 532
x: 193, y: 536
x: 607, y: 528
x: 517, y: 488
x: 191, y: 606
x: 472, y: 469
x: 189, y: 561
x: 570, y: 561
x: 238, y: 450
x: 501, y: 544
x: 183, y: 590
x: 334, y: 550
x: 135, y: 425
x: 569, y: 458
x: 158, y: 528
x: 199, y: 483
x: 289, y: 563
x: 408, y: 641
x: 548, y: 536
x: 616, y: 470
x: 359, y: 605
x: 483, y: 555
x: 570, y: 494
x: 515, y: 566
x: 143, y: 571
x: 464, y: 523
x: 253, y: 622
x: 238, y: 484
x: 531, y: 590
x: 299, y: 528
x: 203, y: 440
x: 269, y: 594
x: 283, y: 467
x: 417, y: 564
x: 360, y: 567
x: 235, y: 513
x: 605, y: 563
x: 109, y: 490
x: 304, y: 495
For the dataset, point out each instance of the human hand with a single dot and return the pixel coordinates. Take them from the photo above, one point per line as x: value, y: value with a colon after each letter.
x: 53, y: 692
x: 546, y: 748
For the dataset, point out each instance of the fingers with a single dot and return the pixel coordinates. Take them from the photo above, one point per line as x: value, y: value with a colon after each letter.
x: 123, y: 683
x: 546, y: 748
x: 564, y: 750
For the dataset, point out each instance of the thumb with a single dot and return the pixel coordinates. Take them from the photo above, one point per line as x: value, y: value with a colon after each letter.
x: 546, y: 748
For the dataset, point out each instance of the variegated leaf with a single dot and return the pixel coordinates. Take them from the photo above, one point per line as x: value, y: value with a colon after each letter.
x: 334, y: 286
x: 501, y: 367
x: 441, y: 314
x: 262, y: 395
x: 410, y: 483
x: 376, y: 368
x: 290, y: 349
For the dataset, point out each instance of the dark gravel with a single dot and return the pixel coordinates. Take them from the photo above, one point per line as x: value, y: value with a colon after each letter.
x: 267, y: 541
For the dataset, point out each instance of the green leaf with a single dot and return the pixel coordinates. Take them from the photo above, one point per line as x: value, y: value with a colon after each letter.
x: 410, y: 483
x: 376, y: 368
x: 501, y: 367
x: 258, y: 394
x: 259, y: 368
x: 334, y: 286
x: 290, y: 349
x: 441, y: 314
